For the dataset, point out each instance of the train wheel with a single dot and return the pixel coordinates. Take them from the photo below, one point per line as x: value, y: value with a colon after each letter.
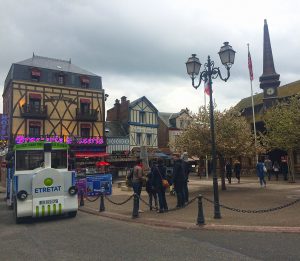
x: 72, y: 214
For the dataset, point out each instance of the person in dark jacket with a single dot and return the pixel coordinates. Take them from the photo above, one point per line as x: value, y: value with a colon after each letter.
x: 158, y: 174
x: 178, y: 180
x: 186, y: 169
x: 150, y: 189
x: 237, y: 170
x: 228, y: 171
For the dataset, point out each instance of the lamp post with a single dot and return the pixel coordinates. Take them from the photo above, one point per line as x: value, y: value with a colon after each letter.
x: 210, y: 72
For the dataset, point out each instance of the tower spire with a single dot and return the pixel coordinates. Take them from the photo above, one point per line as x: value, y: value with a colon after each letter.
x: 269, y: 76
x: 269, y: 81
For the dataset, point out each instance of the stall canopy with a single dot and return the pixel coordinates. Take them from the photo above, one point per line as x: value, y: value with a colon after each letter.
x: 90, y: 154
x: 161, y: 155
x: 102, y: 163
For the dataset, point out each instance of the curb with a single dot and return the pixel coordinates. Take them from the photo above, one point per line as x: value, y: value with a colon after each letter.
x: 187, y: 225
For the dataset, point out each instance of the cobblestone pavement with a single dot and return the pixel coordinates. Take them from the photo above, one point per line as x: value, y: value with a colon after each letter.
x: 248, y: 195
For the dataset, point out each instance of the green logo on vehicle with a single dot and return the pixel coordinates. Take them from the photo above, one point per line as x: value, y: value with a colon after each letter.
x: 48, y: 182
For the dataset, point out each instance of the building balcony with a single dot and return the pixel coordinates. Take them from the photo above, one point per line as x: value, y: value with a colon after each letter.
x: 89, y: 115
x: 34, y: 112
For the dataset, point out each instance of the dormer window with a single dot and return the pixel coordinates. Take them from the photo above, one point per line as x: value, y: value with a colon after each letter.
x: 61, y: 79
x: 35, y: 75
x: 85, y: 82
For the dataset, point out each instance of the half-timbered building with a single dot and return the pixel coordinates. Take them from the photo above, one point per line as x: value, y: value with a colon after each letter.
x: 55, y: 100
x: 140, y: 120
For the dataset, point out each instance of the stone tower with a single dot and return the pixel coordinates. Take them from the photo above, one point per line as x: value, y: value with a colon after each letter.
x: 269, y: 81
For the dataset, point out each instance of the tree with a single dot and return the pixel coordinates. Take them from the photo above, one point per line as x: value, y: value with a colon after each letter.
x: 282, y: 123
x: 233, y: 136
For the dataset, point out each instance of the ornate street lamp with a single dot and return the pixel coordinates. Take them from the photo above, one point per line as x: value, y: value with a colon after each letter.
x: 210, y: 72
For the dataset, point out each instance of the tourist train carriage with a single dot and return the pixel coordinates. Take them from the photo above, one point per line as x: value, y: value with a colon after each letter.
x: 41, y: 183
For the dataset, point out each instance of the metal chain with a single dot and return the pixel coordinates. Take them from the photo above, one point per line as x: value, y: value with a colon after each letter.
x: 118, y: 203
x: 255, y: 211
x: 92, y: 200
x: 170, y: 209
x: 146, y: 203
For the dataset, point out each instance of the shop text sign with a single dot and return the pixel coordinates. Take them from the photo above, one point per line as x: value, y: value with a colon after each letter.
x: 20, y: 139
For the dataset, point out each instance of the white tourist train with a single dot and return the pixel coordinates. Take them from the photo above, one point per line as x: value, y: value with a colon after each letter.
x: 41, y: 184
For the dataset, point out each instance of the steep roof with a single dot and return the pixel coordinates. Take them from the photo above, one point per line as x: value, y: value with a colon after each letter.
x: 165, y: 116
x: 54, y: 64
x: 143, y: 98
x: 283, y: 91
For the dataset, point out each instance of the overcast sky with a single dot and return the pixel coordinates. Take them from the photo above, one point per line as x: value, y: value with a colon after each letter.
x: 139, y: 47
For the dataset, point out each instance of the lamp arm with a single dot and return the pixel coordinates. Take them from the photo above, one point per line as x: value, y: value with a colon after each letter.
x: 201, y: 77
x: 216, y: 72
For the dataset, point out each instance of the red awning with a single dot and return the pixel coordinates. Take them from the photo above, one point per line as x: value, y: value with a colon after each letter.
x: 35, y: 96
x: 90, y: 154
x: 83, y: 100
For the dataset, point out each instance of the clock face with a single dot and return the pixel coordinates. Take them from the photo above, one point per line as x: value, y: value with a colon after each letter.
x: 270, y: 91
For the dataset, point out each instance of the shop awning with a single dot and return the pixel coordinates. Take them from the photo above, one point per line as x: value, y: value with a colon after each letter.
x: 90, y: 154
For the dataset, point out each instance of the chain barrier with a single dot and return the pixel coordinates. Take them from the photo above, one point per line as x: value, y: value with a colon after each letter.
x: 119, y: 203
x: 170, y: 209
x: 146, y: 203
x: 93, y: 200
x: 255, y: 211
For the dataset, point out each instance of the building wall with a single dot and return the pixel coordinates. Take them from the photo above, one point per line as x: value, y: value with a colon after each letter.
x: 163, y: 134
x: 61, y: 103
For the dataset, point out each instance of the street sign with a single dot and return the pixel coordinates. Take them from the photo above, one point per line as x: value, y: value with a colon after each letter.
x: 99, y: 184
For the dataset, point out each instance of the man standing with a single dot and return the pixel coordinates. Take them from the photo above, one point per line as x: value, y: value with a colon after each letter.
x: 228, y: 170
x: 186, y: 169
x: 237, y: 170
x: 178, y: 180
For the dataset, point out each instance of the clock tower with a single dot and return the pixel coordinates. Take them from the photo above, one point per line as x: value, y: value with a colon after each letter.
x: 269, y: 81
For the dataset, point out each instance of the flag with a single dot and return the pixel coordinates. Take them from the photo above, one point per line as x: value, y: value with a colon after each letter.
x: 250, y: 66
x: 206, y: 88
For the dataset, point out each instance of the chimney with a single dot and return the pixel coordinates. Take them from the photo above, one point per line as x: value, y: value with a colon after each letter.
x: 123, y: 99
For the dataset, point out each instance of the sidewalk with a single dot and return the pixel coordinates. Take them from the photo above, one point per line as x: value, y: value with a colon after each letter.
x: 247, y: 195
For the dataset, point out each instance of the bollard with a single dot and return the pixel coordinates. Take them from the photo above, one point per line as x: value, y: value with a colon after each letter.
x: 135, y: 211
x: 200, y: 219
x: 102, y: 207
x: 81, y: 198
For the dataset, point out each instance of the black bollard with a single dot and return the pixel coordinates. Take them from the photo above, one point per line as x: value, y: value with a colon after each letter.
x: 200, y: 219
x: 81, y: 198
x: 102, y: 207
x: 135, y: 211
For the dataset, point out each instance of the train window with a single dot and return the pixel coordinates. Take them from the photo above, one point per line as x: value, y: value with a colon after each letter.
x: 59, y: 159
x: 28, y: 160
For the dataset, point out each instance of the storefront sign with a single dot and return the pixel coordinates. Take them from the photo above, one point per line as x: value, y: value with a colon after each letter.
x: 100, y: 183
x: 66, y: 139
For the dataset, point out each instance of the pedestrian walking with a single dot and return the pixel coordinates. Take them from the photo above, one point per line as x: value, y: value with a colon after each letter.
x: 284, y: 167
x: 276, y: 169
x: 186, y: 169
x: 152, y: 194
x: 178, y: 180
x: 261, y: 173
x: 137, y: 180
x: 228, y: 171
x: 268, y: 165
x: 237, y: 170
x: 158, y: 174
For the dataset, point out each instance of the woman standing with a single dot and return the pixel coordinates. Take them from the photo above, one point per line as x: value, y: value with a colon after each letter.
x: 158, y: 174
